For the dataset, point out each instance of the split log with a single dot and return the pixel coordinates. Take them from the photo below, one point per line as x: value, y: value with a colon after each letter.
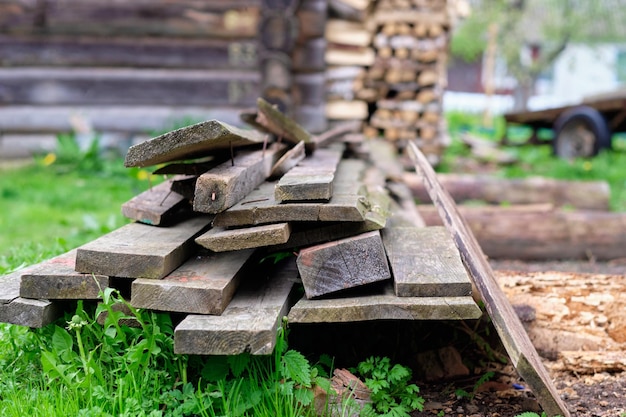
x: 508, y: 326
x: 357, y: 10
x: 312, y: 179
x: 24, y: 51
x: 128, y: 86
x: 221, y: 240
x: 156, y: 206
x: 348, y: 33
x: 382, y: 304
x: 250, y: 322
x: 190, y: 142
x: 425, y: 263
x: 590, y: 195
x: 205, y: 284
x: 542, y: 232
x: 361, y: 56
x: 137, y: 250
x: 343, y: 264
x: 347, y: 110
x: 57, y: 279
x: 229, y: 183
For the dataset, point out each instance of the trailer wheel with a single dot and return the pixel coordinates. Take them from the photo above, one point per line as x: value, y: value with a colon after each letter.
x: 580, y: 132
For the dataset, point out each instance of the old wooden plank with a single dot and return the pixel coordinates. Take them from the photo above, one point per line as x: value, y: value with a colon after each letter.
x: 312, y: 178
x: 343, y: 264
x: 204, y: 284
x: 290, y: 159
x: 156, y: 206
x: 189, y: 142
x: 511, y: 331
x: 137, y: 250
x: 349, y: 203
x: 282, y: 126
x: 128, y: 86
x: 248, y: 324
x: 186, y: 18
x: 229, y: 183
x: 382, y: 304
x: 56, y: 279
x: 58, y: 51
x: 425, y: 262
x: 219, y: 239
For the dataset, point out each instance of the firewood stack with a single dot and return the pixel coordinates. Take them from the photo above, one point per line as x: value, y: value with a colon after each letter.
x: 236, y: 196
x: 410, y: 73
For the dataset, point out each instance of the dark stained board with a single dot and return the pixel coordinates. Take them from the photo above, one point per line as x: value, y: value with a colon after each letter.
x: 190, y: 142
x: 249, y: 323
x: 425, y: 262
x: 343, y: 264
x: 137, y: 250
x: 506, y: 322
x: 312, y: 178
x: 156, y: 206
x: 219, y: 239
x: 204, y: 284
x: 382, y: 304
x: 229, y: 183
x: 56, y: 279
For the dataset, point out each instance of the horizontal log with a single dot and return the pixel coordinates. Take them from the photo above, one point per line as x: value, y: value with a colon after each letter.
x: 58, y: 51
x: 590, y: 195
x: 214, y: 18
x: 542, y: 232
x: 114, y: 118
x: 347, y: 33
x: 119, y: 86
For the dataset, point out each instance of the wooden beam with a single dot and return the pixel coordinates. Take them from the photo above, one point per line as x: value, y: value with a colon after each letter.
x: 382, y: 304
x: 128, y: 86
x: 229, y: 183
x: 282, y: 126
x: 511, y: 331
x: 137, y: 250
x: 343, y: 264
x: 56, y: 279
x: 248, y: 324
x: 204, y: 284
x: 156, y: 206
x: 189, y: 142
x: 24, y: 311
x: 425, y: 262
x: 312, y: 179
x: 219, y: 239
x: 290, y: 159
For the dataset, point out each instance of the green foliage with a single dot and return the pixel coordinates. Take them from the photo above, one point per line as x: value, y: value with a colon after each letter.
x: 461, y: 393
x: 392, y: 395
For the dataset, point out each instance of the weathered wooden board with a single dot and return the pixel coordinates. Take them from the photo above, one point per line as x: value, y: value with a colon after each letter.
x: 23, y: 311
x: 56, y: 279
x: 343, y: 264
x: 248, y: 324
x: 156, y: 206
x: 219, y: 239
x: 282, y: 126
x: 229, y: 183
x: 128, y: 86
x: 290, y: 159
x: 312, y: 178
x: 186, y: 18
x: 189, y: 142
x: 204, y: 284
x: 349, y: 203
x: 24, y: 51
x: 382, y: 304
x: 137, y: 250
x: 425, y: 262
x: 511, y: 331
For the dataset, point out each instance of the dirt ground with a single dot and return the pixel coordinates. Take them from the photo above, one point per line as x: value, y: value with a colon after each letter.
x: 588, y: 394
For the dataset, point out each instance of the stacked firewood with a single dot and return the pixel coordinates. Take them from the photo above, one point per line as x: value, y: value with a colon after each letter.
x: 409, y: 73
x: 235, y: 197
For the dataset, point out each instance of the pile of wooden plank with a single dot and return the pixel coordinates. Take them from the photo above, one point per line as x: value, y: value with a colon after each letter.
x: 236, y: 197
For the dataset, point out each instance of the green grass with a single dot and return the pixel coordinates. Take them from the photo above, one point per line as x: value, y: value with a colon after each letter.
x: 537, y: 160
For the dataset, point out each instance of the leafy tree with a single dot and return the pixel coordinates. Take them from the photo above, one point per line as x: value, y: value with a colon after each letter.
x: 533, y: 33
